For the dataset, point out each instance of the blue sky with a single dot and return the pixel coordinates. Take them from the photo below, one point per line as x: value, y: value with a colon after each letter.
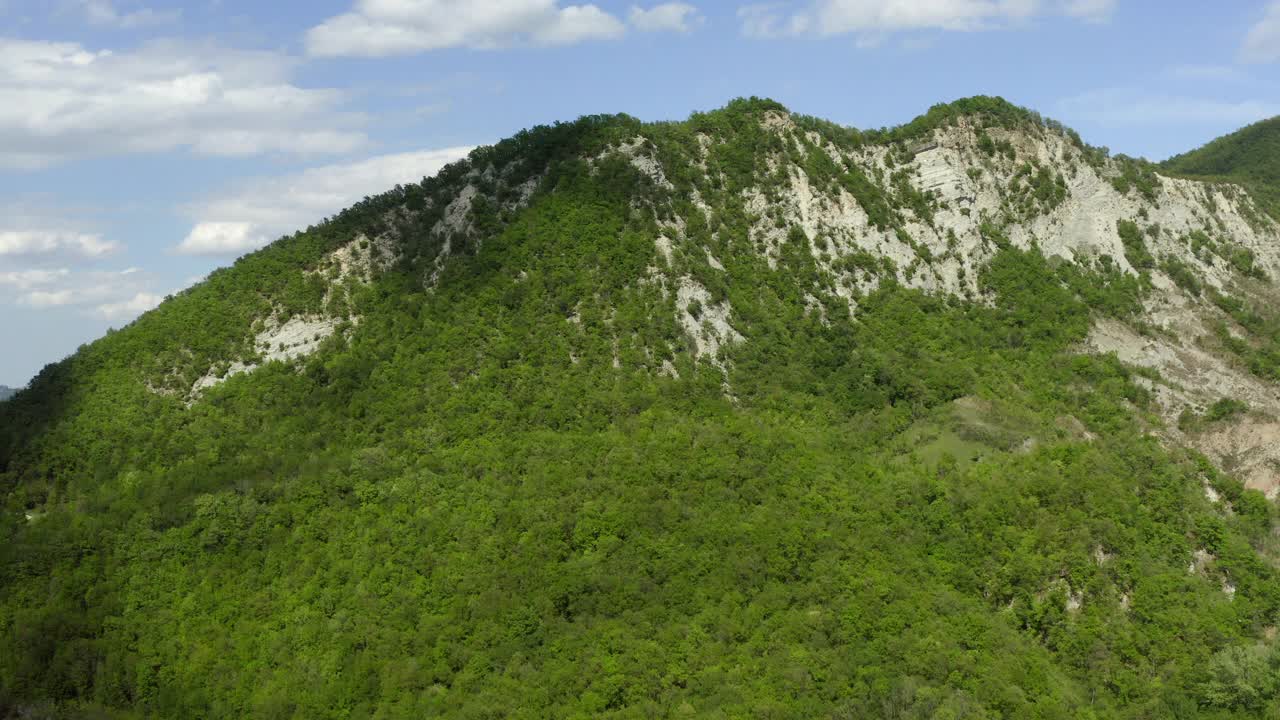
x: 145, y: 142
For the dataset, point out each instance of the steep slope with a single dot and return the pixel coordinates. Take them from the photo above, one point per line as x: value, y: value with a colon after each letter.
x: 748, y: 415
x: 1250, y: 156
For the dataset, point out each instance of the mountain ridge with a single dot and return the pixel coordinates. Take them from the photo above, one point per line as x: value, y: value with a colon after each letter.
x: 1246, y: 156
x: 750, y: 414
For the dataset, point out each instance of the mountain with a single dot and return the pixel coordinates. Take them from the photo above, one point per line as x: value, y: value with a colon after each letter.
x: 6, y: 392
x: 749, y: 415
x: 1250, y: 157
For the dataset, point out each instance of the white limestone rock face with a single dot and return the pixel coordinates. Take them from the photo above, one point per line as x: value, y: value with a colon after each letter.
x: 362, y: 259
x: 635, y: 151
x: 941, y: 251
x: 945, y: 252
x: 705, y: 321
x: 1192, y: 378
x: 358, y: 262
x: 969, y: 187
x: 663, y: 243
x: 216, y: 377
x: 456, y: 221
x: 295, y: 338
x: 457, y: 214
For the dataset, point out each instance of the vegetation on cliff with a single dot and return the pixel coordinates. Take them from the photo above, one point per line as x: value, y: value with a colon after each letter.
x: 514, y: 487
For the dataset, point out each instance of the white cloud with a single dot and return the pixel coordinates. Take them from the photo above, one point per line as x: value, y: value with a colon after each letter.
x: 766, y: 20
x: 104, y: 13
x: 377, y: 28
x: 1097, y: 11
x: 28, y: 279
x: 48, y: 298
x: 53, y: 242
x: 579, y: 23
x: 222, y: 238
x: 873, y: 17
x: 1125, y: 107
x: 667, y: 17
x: 844, y: 16
x: 131, y: 308
x: 1262, y: 43
x: 60, y: 101
x: 263, y: 210
x: 113, y: 295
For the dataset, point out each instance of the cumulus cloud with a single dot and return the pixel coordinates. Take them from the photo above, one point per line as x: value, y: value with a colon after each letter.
x: 263, y: 210
x: 32, y: 278
x: 766, y: 20
x: 130, y: 308
x: 1097, y: 11
x: 60, y: 101
x: 47, y: 298
x: 53, y: 242
x: 112, y: 295
x: 667, y: 17
x: 1262, y: 43
x: 873, y: 17
x: 377, y: 28
x: 221, y: 238
x: 104, y: 14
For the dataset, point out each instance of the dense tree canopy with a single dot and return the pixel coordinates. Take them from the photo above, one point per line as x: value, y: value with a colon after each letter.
x: 1250, y: 156
x: 487, y: 499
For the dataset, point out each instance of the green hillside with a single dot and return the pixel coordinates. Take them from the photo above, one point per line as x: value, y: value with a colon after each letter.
x: 522, y: 488
x: 1249, y: 156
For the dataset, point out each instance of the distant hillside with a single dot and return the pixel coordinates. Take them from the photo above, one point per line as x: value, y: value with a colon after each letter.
x: 1249, y: 156
x: 7, y: 392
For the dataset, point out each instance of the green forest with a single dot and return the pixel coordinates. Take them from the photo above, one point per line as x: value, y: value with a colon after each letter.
x: 485, y: 500
x: 1250, y: 157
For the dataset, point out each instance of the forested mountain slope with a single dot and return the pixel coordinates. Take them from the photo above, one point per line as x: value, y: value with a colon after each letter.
x: 1250, y: 156
x: 750, y: 415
